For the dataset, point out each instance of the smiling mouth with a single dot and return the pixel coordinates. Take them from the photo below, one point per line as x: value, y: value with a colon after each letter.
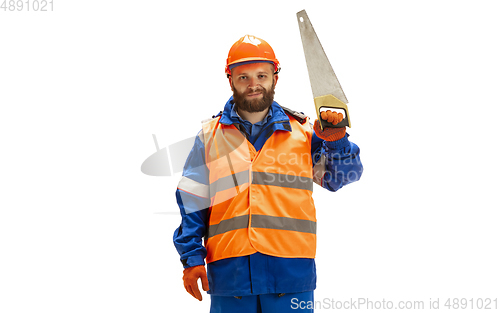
x: 254, y: 94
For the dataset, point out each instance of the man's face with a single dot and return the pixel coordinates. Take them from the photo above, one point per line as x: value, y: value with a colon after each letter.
x: 253, y: 86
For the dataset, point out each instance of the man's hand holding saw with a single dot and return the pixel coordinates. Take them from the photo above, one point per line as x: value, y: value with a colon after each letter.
x: 329, y: 133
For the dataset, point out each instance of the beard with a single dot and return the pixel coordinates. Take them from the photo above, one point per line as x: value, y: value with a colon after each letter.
x: 254, y: 105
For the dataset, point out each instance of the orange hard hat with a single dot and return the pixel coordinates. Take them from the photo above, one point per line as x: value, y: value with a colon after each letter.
x: 250, y: 48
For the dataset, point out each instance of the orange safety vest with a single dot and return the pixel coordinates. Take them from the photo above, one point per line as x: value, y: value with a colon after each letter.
x: 261, y: 201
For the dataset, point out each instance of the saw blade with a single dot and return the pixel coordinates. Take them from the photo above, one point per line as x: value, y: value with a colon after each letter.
x: 321, y: 75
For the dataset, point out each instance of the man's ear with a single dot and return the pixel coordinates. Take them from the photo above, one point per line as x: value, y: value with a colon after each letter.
x: 275, y: 79
x: 230, y: 79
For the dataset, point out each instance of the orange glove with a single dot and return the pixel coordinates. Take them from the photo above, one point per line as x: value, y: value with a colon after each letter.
x: 329, y: 133
x: 191, y: 275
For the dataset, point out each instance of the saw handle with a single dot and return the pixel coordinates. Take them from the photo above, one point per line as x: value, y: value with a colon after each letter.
x: 325, y: 123
x: 330, y: 101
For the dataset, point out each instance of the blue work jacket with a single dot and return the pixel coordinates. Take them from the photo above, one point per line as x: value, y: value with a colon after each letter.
x: 257, y: 273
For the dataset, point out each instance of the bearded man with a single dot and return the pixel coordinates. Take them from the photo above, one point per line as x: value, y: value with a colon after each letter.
x: 246, y: 193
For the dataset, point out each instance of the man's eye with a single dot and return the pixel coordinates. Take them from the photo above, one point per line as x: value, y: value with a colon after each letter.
x: 243, y: 77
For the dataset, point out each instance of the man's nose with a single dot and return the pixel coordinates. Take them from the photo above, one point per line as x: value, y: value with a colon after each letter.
x: 252, y: 82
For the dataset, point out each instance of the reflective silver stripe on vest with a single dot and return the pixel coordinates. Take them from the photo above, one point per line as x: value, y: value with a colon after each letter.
x: 283, y: 223
x: 261, y: 178
x: 228, y: 225
x: 193, y: 187
x: 228, y: 182
x: 282, y: 180
x: 263, y: 221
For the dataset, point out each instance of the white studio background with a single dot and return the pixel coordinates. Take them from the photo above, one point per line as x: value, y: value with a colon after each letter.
x: 84, y: 87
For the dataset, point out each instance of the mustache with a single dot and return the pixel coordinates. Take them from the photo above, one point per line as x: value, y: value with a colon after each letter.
x: 254, y: 90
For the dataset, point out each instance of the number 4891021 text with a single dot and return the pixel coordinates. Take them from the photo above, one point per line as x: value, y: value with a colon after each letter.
x: 27, y: 5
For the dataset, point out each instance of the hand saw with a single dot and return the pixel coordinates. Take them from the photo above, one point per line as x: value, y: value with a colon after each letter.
x: 326, y: 88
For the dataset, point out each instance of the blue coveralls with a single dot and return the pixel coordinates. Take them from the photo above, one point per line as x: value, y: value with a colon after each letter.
x: 256, y: 280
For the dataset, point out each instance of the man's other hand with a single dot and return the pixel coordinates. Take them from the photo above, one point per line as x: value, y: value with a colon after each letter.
x: 191, y: 275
